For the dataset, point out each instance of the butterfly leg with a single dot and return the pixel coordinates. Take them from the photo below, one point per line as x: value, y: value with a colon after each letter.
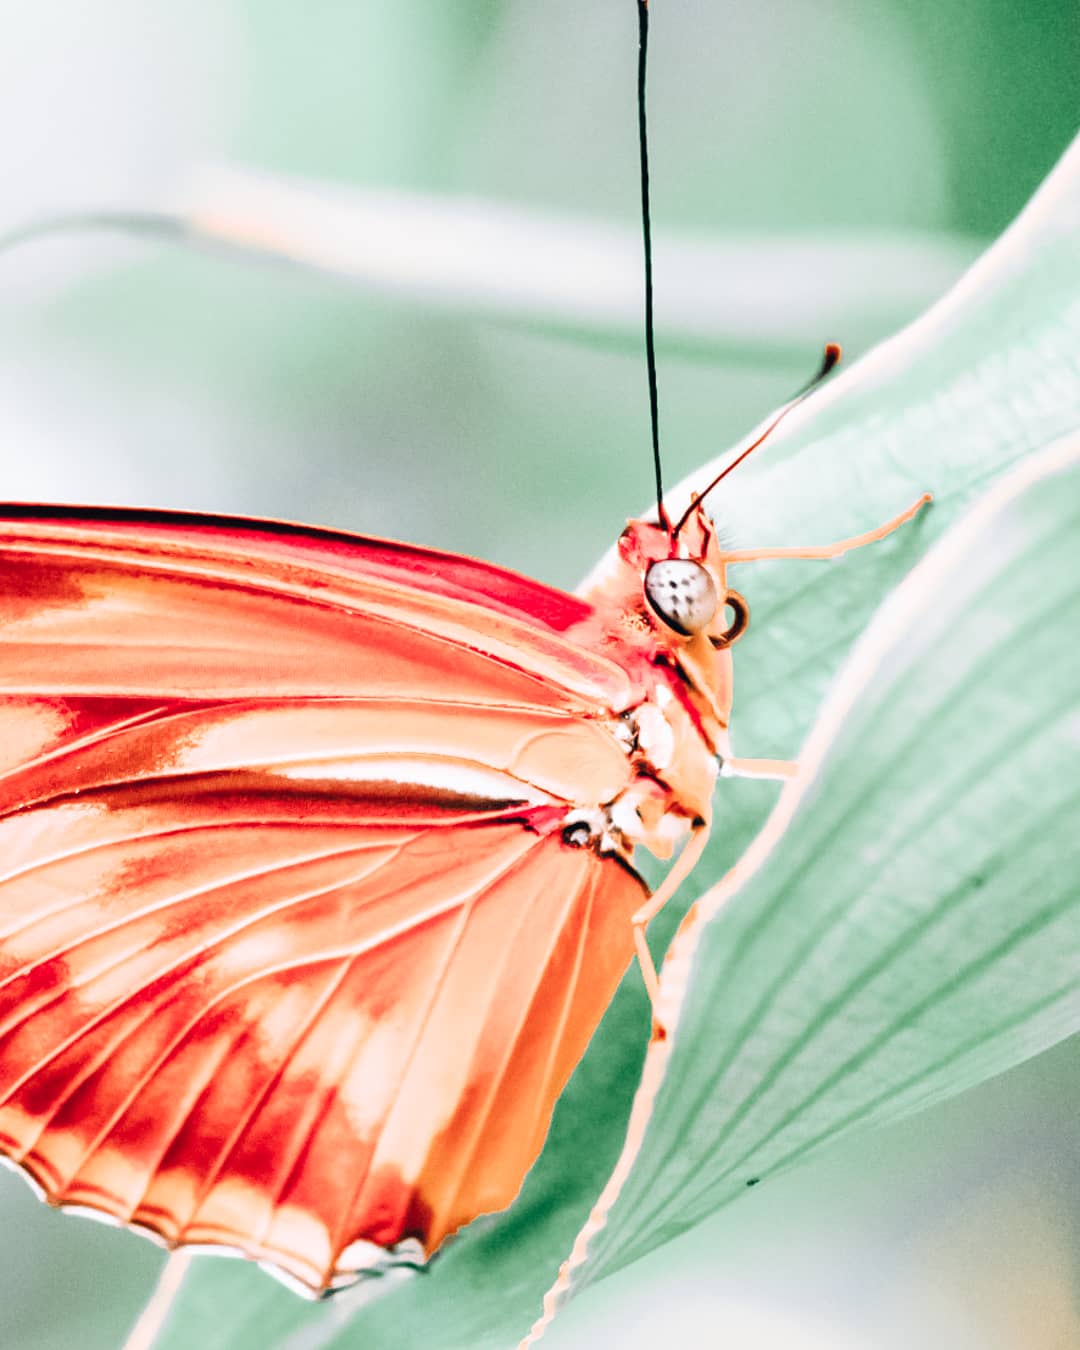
x: 731, y: 767
x: 831, y: 550
x: 759, y: 768
x: 687, y: 861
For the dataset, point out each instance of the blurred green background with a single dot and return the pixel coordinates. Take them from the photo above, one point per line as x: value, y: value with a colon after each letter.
x: 159, y: 374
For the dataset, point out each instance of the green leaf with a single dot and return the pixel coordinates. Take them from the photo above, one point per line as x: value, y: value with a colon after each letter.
x: 908, y: 922
x: 986, y: 378
x: 584, y: 278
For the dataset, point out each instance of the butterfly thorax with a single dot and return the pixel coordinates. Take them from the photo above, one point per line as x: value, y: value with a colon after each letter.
x: 675, y: 734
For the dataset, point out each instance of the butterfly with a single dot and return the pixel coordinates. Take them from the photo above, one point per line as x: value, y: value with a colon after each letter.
x: 317, y: 861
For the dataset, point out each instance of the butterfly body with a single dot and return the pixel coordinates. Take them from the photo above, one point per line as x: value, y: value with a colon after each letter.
x: 316, y: 867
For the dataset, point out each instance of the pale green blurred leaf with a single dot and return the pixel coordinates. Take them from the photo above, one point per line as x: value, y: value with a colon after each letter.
x: 751, y: 295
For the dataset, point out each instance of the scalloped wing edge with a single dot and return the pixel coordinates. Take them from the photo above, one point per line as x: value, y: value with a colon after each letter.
x: 360, y: 1261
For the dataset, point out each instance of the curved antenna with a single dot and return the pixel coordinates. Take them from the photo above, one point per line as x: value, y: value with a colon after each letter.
x: 646, y: 231
x: 828, y: 361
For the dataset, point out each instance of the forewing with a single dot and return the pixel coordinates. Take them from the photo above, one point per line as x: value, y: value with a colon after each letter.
x: 126, y: 604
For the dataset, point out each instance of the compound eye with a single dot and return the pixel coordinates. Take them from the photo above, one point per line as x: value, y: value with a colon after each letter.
x: 682, y: 593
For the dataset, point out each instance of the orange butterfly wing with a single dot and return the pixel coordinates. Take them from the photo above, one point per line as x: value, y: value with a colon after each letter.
x: 293, y: 955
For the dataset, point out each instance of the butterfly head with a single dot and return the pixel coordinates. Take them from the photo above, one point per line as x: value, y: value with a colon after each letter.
x: 683, y: 582
x: 667, y: 595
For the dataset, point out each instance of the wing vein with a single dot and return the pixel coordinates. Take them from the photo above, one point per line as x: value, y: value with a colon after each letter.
x: 339, y: 1241
x: 91, y: 738
x: 527, y: 1004
x: 117, y: 841
x: 350, y: 952
x: 181, y: 961
x: 262, y: 1096
x: 172, y: 901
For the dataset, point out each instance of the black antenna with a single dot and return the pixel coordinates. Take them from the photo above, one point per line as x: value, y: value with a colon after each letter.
x: 646, y: 230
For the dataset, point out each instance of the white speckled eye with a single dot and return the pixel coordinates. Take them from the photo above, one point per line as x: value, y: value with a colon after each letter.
x: 682, y: 593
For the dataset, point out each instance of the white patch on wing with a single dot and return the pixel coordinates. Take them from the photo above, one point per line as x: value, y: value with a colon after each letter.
x: 458, y: 777
x: 28, y: 728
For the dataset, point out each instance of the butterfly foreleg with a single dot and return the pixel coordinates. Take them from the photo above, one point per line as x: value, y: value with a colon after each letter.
x: 732, y: 767
x: 834, y: 550
x: 781, y: 769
